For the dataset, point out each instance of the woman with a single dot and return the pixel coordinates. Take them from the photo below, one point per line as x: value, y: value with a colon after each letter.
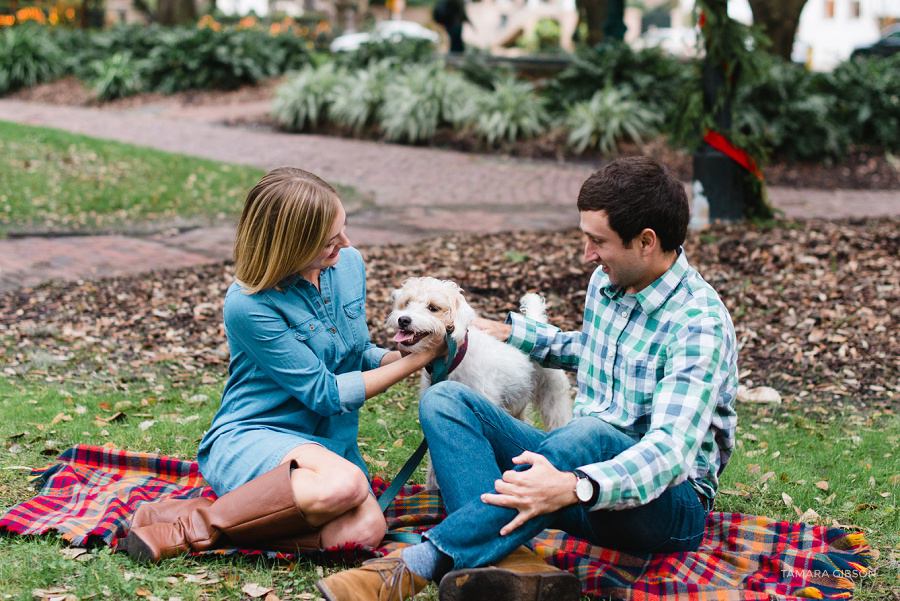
x: 281, y: 453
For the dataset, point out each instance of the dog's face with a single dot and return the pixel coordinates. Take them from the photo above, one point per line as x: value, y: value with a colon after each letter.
x: 425, y: 310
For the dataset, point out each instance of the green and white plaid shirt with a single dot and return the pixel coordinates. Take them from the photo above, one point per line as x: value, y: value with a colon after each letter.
x: 661, y: 366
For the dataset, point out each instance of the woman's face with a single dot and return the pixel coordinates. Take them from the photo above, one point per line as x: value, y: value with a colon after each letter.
x: 337, y: 240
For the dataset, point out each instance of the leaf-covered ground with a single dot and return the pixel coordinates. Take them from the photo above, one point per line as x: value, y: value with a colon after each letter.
x: 816, y: 306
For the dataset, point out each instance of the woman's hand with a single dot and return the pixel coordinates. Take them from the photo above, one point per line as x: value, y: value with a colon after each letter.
x: 397, y: 365
x: 536, y: 491
x: 439, y: 349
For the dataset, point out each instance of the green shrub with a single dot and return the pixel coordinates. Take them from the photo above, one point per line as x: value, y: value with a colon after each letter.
x: 181, y: 58
x: 403, y: 52
x: 303, y: 101
x: 510, y: 111
x: 654, y: 77
x: 202, y: 58
x: 288, y: 51
x: 787, y: 110
x: 610, y: 117
x: 28, y: 56
x: 474, y: 66
x: 116, y: 76
x: 867, y: 100
x: 85, y: 48
x: 356, y: 98
x: 423, y: 98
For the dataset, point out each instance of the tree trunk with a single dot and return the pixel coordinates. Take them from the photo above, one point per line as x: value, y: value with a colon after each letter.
x: 594, y: 14
x: 779, y: 20
x: 176, y: 12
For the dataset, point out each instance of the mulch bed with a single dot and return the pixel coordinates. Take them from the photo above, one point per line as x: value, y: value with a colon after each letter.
x: 862, y: 169
x: 816, y: 305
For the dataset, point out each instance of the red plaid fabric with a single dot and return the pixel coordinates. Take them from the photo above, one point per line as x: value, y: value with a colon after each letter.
x: 92, y: 491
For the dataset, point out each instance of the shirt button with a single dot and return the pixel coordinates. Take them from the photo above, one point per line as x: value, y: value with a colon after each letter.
x: 326, y: 301
x: 312, y: 328
x: 624, y: 313
x: 333, y: 330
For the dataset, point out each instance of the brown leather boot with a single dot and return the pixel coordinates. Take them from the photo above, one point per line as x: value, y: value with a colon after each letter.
x: 383, y: 579
x: 521, y: 576
x: 166, y: 511
x: 257, y: 514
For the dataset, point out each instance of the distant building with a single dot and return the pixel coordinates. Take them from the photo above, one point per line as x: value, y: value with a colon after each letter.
x: 291, y: 8
x: 122, y: 11
x: 829, y: 30
x: 496, y: 24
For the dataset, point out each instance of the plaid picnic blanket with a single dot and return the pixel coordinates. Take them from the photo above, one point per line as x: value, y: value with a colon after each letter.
x: 91, y: 492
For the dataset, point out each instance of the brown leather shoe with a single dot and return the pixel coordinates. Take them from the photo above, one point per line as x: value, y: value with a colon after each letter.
x: 166, y: 512
x: 383, y: 579
x: 522, y: 576
x: 259, y: 512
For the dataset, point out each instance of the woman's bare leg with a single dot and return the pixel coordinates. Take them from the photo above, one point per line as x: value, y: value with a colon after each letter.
x: 333, y: 493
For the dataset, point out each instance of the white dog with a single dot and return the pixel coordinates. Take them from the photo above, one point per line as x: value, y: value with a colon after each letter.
x: 426, y: 309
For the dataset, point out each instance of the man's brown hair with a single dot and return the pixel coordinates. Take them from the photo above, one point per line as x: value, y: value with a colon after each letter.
x: 637, y: 193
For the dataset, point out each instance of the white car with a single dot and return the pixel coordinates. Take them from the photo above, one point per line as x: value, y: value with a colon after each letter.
x: 384, y: 30
x: 677, y: 42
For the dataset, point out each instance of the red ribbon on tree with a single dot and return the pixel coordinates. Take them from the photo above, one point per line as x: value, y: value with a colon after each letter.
x: 720, y: 143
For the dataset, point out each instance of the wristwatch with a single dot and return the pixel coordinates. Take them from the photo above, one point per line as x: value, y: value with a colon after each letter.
x: 586, y: 490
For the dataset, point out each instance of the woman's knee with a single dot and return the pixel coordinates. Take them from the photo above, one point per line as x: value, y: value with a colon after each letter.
x: 346, y: 489
x: 333, y: 492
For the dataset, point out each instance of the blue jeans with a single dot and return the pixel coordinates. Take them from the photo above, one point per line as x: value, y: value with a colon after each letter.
x: 472, y: 442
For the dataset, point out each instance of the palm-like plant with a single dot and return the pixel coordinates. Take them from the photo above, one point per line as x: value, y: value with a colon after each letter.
x: 423, y: 98
x: 27, y: 57
x: 303, y: 101
x: 610, y: 117
x: 116, y: 76
x: 355, y: 99
x: 510, y: 111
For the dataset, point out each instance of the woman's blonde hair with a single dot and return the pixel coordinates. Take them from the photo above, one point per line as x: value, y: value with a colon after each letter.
x: 284, y: 226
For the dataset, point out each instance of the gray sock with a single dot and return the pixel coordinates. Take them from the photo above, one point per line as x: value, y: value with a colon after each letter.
x: 427, y: 561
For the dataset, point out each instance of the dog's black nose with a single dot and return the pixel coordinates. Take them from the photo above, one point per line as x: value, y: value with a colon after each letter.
x: 404, y: 322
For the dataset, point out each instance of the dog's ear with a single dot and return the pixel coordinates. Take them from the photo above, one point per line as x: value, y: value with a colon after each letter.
x: 394, y: 294
x: 464, y: 314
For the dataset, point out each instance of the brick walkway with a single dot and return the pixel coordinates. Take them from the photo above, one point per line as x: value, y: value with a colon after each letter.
x: 415, y: 192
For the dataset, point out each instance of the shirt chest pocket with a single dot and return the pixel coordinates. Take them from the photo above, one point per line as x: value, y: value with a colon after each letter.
x: 641, y: 375
x: 355, y: 313
x: 312, y: 333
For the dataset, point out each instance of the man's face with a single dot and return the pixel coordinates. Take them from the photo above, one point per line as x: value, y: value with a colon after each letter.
x: 624, y: 266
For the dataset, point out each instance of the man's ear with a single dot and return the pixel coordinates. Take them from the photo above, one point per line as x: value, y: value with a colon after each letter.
x: 649, y: 241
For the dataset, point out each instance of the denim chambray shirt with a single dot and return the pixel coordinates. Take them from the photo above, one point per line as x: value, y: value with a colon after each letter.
x: 295, y: 376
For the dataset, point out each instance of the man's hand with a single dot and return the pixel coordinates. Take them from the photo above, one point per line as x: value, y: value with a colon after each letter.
x: 536, y: 491
x: 499, y: 330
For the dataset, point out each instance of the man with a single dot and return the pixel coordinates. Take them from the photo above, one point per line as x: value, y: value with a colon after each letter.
x: 637, y: 468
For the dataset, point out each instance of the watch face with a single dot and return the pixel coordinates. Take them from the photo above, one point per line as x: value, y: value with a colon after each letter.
x: 584, y: 489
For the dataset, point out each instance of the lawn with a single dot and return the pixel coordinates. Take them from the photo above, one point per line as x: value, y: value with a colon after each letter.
x: 158, y: 415
x: 139, y: 362
x: 837, y: 465
x: 53, y: 181
x: 819, y: 328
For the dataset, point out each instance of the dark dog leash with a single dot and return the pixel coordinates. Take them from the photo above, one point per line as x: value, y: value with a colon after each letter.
x: 441, y: 367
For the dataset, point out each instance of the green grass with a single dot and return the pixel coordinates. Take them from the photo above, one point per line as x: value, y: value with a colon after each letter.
x: 800, y: 447
x: 29, y: 406
x: 56, y: 181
